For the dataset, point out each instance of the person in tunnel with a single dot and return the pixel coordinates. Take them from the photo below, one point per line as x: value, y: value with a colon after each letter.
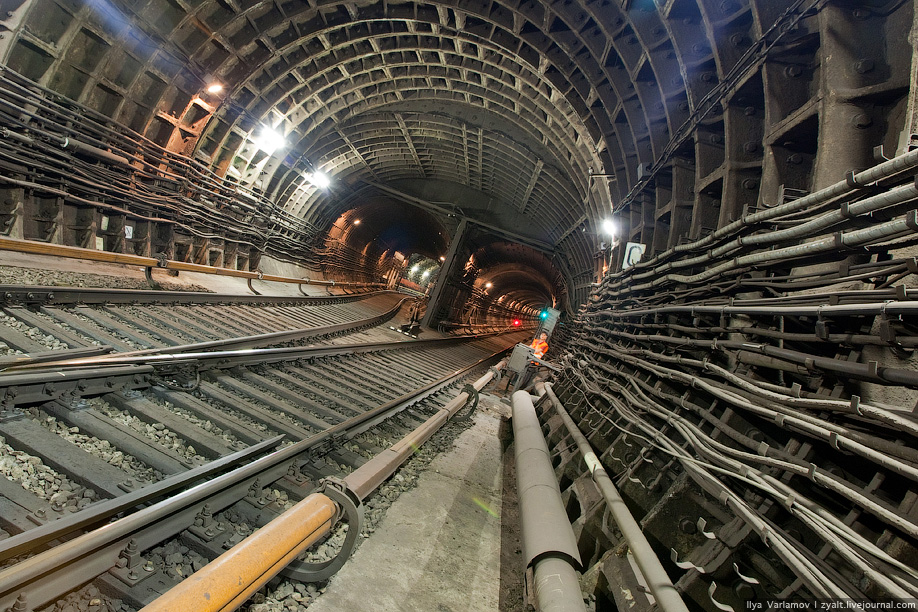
x: 413, y: 326
x: 539, y: 347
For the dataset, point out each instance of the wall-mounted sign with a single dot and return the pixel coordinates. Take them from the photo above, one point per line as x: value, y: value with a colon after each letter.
x: 633, y: 253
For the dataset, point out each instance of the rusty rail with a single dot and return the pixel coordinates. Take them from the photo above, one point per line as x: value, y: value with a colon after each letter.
x: 149, y: 263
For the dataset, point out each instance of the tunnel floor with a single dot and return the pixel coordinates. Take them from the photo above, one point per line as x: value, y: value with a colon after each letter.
x: 448, y: 545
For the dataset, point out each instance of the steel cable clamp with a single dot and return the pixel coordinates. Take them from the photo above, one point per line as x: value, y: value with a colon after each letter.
x: 350, y: 507
x: 473, y: 399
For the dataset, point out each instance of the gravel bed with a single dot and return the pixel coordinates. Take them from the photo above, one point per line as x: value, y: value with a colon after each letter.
x: 46, y: 340
x: 12, y: 275
x: 157, y: 432
x: 89, y: 599
x: 102, y: 449
x: 283, y: 400
x: 237, y: 414
x: 175, y: 559
x: 157, y: 324
x: 52, y: 321
x: 34, y: 476
x: 279, y: 415
x: 328, y: 388
x: 206, y: 425
x: 115, y: 333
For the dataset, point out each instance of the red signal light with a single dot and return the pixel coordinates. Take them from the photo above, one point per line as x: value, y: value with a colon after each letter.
x: 517, y: 322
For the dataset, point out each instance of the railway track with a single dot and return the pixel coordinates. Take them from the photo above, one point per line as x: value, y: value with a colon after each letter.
x: 182, y: 442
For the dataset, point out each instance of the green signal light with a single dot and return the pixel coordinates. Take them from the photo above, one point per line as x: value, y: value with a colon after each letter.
x: 544, y: 314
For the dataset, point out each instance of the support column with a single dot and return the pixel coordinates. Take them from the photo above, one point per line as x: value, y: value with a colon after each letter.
x: 446, y: 271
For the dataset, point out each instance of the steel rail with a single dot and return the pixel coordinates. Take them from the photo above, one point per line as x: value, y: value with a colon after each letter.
x: 199, y: 350
x: 53, y: 295
x: 43, y: 248
x: 52, y: 565
x: 103, y: 511
x: 647, y: 560
x: 232, y: 358
x: 225, y: 583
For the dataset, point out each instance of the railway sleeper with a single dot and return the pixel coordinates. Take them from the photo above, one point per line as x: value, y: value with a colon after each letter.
x: 316, y: 385
x: 106, y: 321
x: 205, y: 443
x: 252, y: 410
x: 87, y: 328
x: 27, y: 435
x: 47, y: 327
x: 246, y: 389
x: 299, y: 395
x: 241, y: 429
x: 130, y: 442
x: 21, y: 510
x: 136, y: 322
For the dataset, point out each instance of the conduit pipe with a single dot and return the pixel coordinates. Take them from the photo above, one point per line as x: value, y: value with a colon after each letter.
x: 899, y: 226
x: 845, y: 211
x: 227, y: 582
x: 647, y: 560
x: 548, y: 540
x: 852, y: 183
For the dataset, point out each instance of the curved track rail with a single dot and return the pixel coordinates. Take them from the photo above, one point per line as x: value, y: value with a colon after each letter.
x: 189, y: 447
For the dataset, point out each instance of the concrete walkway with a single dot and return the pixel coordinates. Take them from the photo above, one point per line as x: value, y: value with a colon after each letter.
x: 438, y: 549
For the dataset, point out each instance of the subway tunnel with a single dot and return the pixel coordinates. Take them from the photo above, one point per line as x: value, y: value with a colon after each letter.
x: 717, y: 196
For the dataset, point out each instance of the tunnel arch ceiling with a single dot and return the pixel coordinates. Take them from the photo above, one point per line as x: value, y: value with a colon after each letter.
x: 683, y: 114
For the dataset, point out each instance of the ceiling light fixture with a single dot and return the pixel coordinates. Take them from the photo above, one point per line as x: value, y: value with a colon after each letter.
x: 318, y: 178
x: 214, y: 88
x: 609, y: 227
x: 269, y: 141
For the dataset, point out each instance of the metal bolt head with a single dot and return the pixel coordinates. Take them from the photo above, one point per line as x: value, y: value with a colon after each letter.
x: 862, y: 121
x: 793, y: 71
x: 864, y: 66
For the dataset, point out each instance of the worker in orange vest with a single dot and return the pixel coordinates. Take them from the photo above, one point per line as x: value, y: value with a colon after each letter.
x: 539, y: 345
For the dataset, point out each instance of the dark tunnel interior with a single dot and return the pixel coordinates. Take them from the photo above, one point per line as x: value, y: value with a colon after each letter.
x: 717, y: 195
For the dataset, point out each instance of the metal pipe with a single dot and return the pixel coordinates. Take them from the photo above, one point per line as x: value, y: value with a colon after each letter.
x: 882, y: 171
x: 227, y: 581
x: 548, y: 540
x: 647, y: 560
